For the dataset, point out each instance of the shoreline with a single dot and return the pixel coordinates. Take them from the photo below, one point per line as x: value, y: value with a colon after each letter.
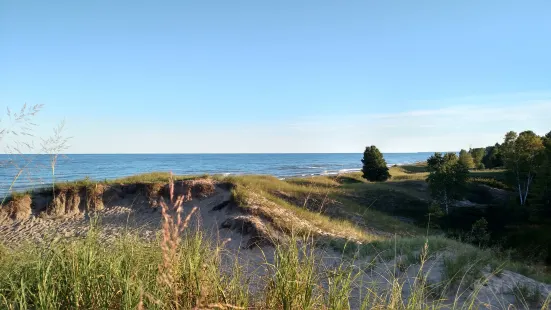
x: 40, y: 186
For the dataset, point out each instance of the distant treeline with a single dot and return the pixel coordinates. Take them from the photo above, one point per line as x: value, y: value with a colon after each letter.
x: 520, y: 165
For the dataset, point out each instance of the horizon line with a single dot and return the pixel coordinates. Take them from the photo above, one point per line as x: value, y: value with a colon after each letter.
x: 213, y: 153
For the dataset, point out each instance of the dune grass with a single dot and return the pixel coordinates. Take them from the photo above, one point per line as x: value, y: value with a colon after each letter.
x: 153, y: 177
x: 90, y: 274
x: 401, y: 173
x: 134, y: 274
x: 260, y: 191
x: 183, y: 269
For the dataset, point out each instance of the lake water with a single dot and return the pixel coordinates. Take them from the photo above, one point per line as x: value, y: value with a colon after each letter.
x: 108, y: 166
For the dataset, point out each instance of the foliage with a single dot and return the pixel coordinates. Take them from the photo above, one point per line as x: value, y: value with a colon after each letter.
x: 523, y: 156
x: 493, y: 157
x: 542, y: 185
x: 374, y: 165
x: 477, y: 155
x: 447, y: 179
x: 479, y: 232
x: 436, y: 161
x: 466, y: 159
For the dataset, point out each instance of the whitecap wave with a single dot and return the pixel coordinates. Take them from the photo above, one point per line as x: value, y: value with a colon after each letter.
x: 350, y: 170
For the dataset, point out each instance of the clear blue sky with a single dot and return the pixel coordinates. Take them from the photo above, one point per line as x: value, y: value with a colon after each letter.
x: 279, y: 76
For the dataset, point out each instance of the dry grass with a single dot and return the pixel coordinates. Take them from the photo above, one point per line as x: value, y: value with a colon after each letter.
x: 254, y: 192
x: 401, y: 173
x: 153, y: 177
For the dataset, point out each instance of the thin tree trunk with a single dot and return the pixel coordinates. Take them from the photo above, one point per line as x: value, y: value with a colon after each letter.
x: 446, y: 201
x: 520, y: 194
x: 530, y: 177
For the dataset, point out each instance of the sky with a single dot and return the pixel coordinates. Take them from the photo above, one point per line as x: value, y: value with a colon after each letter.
x: 277, y: 76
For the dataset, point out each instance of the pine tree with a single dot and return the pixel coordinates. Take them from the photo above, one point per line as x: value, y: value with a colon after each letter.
x: 374, y: 165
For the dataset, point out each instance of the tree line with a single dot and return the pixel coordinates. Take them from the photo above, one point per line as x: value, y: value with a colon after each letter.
x: 526, y: 158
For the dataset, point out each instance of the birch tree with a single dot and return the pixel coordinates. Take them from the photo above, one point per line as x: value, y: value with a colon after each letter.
x: 522, y: 154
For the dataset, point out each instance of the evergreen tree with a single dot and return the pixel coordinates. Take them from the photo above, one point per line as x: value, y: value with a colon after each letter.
x: 466, y: 159
x: 374, y: 165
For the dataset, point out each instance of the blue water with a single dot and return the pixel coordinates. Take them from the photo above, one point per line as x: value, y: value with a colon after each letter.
x: 107, y: 166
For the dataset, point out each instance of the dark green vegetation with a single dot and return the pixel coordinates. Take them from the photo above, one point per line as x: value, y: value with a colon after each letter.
x: 466, y: 159
x: 374, y: 165
x: 447, y: 179
x: 478, y: 156
x: 507, y: 207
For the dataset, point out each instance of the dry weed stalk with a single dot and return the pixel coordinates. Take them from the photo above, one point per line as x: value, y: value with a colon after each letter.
x: 171, y: 229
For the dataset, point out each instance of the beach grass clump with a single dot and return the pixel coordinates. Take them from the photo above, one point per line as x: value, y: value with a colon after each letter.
x: 258, y: 192
x: 464, y: 268
x: 154, y: 177
x: 293, y: 281
x: 89, y: 274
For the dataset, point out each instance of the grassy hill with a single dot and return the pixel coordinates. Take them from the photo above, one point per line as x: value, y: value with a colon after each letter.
x: 327, y: 242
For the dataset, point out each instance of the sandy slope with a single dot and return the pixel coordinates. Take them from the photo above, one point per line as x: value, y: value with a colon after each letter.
x: 240, y: 231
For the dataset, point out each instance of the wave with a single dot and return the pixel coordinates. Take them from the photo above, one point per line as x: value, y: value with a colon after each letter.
x: 350, y: 170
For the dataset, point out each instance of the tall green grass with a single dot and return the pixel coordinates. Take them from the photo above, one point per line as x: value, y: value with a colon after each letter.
x: 130, y: 274
x: 89, y: 274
